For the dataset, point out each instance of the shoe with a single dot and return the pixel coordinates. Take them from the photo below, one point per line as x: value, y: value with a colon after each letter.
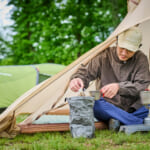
x: 114, y: 124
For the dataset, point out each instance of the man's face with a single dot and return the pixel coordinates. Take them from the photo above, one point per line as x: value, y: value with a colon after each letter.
x: 124, y: 54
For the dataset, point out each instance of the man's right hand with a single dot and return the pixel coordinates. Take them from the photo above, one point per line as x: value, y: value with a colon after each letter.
x: 76, y: 84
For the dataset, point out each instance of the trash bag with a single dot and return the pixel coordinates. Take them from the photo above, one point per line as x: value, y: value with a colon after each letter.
x: 81, y: 116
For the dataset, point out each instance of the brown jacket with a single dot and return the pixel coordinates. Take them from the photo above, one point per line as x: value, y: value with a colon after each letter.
x: 133, y: 76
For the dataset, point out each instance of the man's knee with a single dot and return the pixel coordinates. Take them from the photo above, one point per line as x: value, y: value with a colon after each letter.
x: 100, y: 105
x: 100, y: 110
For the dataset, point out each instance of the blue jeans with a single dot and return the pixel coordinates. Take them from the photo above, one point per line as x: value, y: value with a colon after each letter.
x: 104, y: 111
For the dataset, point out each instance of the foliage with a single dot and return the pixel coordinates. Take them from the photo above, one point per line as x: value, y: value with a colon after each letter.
x: 60, y: 31
x: 4, y: 50
x: 6, y: 61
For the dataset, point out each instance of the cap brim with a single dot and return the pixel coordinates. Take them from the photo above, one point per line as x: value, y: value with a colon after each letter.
x: 128, y: 46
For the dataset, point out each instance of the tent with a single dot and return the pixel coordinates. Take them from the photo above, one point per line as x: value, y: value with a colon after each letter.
x: 48, y: 96
x: 11, y: 75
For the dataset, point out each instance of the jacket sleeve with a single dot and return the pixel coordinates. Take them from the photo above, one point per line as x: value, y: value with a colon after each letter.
x: 89, y: 72
x: 140, y: 81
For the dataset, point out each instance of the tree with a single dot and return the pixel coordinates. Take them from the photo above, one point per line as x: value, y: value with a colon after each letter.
x: 4, y: 50
x: 59, y: 31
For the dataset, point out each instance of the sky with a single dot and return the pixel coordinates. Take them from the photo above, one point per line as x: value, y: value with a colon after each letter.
x: 5, y: 14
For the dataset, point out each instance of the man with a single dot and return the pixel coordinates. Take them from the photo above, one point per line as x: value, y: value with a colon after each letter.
x: 123, y: 72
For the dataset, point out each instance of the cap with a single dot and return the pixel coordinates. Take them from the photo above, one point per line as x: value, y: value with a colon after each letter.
x: 130, y: 39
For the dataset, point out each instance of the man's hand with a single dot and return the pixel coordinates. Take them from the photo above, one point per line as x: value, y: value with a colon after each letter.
x: 76, y: 84
x: 110, y: 90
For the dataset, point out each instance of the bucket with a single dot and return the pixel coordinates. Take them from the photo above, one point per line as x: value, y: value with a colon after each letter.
x: 81, y: 116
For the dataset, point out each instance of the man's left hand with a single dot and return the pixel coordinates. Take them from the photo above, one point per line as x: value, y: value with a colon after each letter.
x: 110, y: 90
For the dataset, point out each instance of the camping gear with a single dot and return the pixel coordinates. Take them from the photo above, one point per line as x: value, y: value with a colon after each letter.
x: 25, y: 79
x: 40, y: 77
x: 129, y: 129
x: 81, y: 116
x: 114, y: 124
x: 145, y: 96
x: 48, y: 96
x: 81, y: 92
x: 95, y: 94
x: 51, y: 126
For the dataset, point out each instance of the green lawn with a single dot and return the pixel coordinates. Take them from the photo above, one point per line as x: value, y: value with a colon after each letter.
x: 104, y: 140
x: 16, y: 80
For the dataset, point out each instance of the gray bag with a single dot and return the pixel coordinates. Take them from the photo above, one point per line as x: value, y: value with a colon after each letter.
x: 81, y: 116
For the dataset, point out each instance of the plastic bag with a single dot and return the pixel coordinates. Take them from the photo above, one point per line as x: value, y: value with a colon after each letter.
x: 81, y: 116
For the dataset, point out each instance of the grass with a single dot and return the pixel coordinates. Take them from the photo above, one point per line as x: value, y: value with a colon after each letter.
x: 104, y: 140
x: 16, y: 80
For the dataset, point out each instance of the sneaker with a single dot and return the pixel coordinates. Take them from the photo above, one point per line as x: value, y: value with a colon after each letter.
x: 114, y: 125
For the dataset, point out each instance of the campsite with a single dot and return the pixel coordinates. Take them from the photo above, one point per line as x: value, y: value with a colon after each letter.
x: 104, y: 139
x: 50, y: 42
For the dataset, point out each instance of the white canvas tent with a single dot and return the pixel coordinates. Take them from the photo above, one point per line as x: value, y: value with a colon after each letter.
x: 49, y: 95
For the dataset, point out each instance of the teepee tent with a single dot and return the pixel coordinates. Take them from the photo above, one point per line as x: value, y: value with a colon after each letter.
x: 48, y: 97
